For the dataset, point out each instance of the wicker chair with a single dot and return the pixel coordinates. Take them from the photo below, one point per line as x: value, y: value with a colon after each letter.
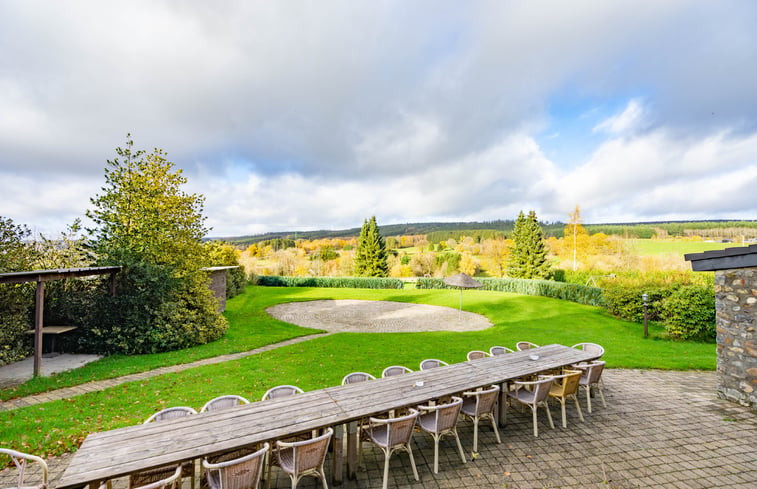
x: 281, y: 391
x: 21, y: 460
x: 356, y: 377
x: 439, y: 420
x: 239, y: 473
x: 303, y: 458
x: 476, y: 354
x: 391, y: 435
x: 533, y: 398
x: 430, y: 363
x: 592, y: 376
x: 171, y: 482
x: 151, y: 476
x: 395, y: 370
x: 525, y: 345
x: 478, y: 405
x: 223, y: 402
x: 590, y: 348
x: 499, y: 350
x: 566, y: 386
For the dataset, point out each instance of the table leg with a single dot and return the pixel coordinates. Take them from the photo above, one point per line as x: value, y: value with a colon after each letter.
x: 338, y: 466
x: 502, y: 404
x: 352, y: 442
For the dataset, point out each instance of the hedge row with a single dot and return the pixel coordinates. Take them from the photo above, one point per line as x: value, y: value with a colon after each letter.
x: 336, y: 282
x: 547, y: 288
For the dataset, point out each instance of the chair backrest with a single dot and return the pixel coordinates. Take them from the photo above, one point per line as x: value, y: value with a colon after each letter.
x: 430, y: 363
x: 486, y: 399
x: 395, y: 370
x: 476, y: 354
x: 499, y: 350
x: 170, y: 413
x: 240, y: 473
x: 568, y: 381
x: 308, y: 454
x: 594, y: 371
x: 525, y: 345
x: 172, y: 482
x: 541, y: 388
x: 20, y: 460
x: 399, y: 429
x: 590, y: 348
x: 281, y: 391
x: 445, y: 415
x: 223, y: 402
x: 356, y: 377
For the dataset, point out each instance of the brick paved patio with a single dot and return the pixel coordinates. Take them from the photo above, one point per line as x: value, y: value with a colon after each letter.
x: 660, y: 429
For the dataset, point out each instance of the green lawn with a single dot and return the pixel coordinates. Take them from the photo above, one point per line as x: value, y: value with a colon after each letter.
x: 59, y: 426
x: 678, y: 247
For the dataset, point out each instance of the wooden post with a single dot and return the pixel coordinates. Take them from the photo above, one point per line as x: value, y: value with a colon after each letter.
x: 338, y: 444
x: 39, y: 310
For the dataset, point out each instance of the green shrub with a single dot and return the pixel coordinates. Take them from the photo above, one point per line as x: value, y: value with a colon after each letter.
x: 689, y: 313
x: 625, y: 301
x: 545, y: 288
x: 334, y: 282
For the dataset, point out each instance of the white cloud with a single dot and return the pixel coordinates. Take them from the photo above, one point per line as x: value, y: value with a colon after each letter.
x: 631, y: 119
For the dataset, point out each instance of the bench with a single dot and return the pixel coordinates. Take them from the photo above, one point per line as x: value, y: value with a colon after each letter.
x: 55, y: 331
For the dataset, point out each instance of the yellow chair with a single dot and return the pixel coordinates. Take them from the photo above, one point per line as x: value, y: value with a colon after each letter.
x: 566, y: 386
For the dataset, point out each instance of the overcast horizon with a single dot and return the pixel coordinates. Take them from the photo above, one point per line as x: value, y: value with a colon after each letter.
x: 297, y: 115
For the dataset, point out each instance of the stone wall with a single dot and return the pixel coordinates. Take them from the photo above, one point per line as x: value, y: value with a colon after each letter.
x: 736, y: 307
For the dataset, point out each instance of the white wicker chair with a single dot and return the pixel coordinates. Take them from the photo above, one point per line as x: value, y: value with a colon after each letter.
x: 533, y: 398
x: 356, y: 377
x: 439, y: 420
x: 590, y: 348
x: 430, y: 363
x: 525, y: 345
x: 476, y: 354
x: 395, y: 370
x: 239, y: 473
x: 281, y: 391
x: 151, y: 476
x: 592, y: 376
x: 478, y: 405
x: 391, y: 435
x: 303, y: 458
x: 499, y: 350
x: 21, y: 461
x: 223, y: 402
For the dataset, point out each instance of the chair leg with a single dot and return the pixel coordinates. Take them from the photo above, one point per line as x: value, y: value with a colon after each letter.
x: 496, y: 431
x: 475, y: 435
x: 322, y: 474
x: 387, y: 454
x: 460, y: 445
x: 578, y: 407
x: 588, y: 398
x: 436, y: 454
x: 562, y: 406
x: 601, y: 395
x: 549, y: 416
x: 412, y: 461
x: 536, y: 426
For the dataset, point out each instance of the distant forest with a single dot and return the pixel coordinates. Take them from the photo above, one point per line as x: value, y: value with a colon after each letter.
x: 443, y: 231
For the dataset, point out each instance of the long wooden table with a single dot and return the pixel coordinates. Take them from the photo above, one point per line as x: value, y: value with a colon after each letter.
x: 123, y: 451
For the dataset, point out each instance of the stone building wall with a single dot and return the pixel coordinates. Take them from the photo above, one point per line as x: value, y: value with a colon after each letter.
x: 736, y: 308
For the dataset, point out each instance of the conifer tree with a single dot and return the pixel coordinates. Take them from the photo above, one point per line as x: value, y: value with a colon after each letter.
x: 371, y: 256
x: 528, y: 258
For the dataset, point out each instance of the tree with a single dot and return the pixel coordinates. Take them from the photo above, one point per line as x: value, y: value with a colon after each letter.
x: 573, y: 230
x: 145, y: 223
x: 528, y: 257
x: 16, y: 300
x: 371, y: 257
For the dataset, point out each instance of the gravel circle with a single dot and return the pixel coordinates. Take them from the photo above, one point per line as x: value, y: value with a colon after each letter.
x: 356, y: 316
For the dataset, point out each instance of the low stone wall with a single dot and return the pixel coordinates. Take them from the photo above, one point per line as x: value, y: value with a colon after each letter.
x: 736, y: 307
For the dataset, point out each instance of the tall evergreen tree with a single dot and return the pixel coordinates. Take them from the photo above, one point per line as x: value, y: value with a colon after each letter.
x: 528, y: 258
x: 371, y: 256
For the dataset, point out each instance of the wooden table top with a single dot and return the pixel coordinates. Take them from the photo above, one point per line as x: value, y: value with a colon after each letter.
x: 119, y: 452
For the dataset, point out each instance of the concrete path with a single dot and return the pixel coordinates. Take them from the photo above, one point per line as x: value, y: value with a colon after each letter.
x: 19, y: 372
x: 659, y: 429
x: 104, y: 384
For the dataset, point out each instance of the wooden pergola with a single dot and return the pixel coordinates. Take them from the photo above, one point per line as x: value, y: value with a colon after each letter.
x: 42, y: 276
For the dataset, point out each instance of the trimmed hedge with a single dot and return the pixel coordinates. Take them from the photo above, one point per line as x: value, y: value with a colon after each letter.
x: 546, y: 288
x: 334, y: 282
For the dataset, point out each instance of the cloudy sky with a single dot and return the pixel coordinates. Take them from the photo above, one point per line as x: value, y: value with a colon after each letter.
x: 317, y: 114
